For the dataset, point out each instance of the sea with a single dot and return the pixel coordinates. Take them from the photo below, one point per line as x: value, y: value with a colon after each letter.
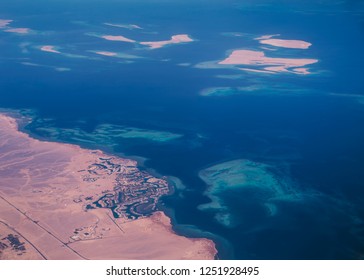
x: 270, y: 167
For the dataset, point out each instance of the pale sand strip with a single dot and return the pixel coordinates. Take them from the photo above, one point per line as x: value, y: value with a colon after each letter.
x: 18, y: 30
x: 127, y: 26
x: 39, y: 189
x: 5, y: 22
x: 176, y: 39
x: 293, y: 44
x: 117, y: 38
x: 49, y: 48
x: 271, y: 64
x: 106, y: 53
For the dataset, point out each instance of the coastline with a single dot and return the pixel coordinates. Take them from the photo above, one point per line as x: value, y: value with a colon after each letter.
x: 223, y: 247
x: 151, y: 230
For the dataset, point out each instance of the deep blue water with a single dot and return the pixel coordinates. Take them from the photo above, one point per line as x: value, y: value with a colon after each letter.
x: 308, y: 128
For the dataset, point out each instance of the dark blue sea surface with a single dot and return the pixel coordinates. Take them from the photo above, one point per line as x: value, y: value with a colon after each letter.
x: 307, y: 129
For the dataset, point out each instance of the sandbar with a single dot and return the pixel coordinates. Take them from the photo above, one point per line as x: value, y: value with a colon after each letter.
x: 302, y: 70
x: 256, y: 70
x: 293, y: 44
x: 265, y: 37
x: 271, y: 64
x: 18, y: 30
x: 59, y: 201
x: 106, y: 53
x: 227, y: 91
x: 176, y: 39
x: 5, y: 22
x: 127, y: 26
x: 49, y: 48
x: 127, y: 58
x: 117, y: 38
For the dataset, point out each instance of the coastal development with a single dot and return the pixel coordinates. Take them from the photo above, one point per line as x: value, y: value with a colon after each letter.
x: 59, y: 201
x: 135, y: 193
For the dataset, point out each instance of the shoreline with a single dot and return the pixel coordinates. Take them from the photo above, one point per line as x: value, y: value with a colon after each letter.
x: 158, y: 218
x: 224, y: 248
x: 186, y: 230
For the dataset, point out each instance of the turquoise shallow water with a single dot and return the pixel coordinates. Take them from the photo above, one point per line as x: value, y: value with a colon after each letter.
x: 281, y: 153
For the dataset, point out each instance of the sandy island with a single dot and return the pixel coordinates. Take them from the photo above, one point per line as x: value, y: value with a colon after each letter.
x: 59, y: 201
x: 283, y: 43
x: 18, y: 30
x: 118, y: 38
x: 106, y: 53
x: 176, y: 39
x: 270, y: 64
x: 49, y: 48
x: 5, y: 22
x: 293, y: 44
